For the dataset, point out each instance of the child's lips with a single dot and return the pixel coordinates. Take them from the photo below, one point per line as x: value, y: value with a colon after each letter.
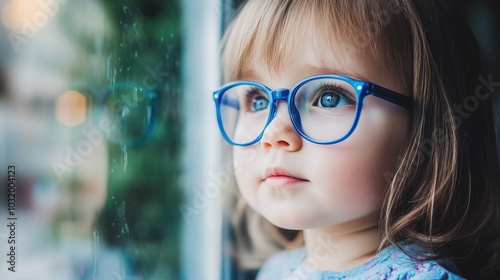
x: 282, y: 181
x: 280, y: 177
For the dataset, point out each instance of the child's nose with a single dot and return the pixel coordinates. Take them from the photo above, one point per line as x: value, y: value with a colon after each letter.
x: 280, y: 133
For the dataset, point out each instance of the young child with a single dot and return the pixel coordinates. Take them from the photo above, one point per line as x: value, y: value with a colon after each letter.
x: 365, y: 124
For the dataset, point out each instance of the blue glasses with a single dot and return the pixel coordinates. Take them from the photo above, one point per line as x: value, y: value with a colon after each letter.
x: 324, y: 109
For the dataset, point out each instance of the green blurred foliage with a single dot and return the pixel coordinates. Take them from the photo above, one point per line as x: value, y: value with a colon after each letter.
x: 141, y: 215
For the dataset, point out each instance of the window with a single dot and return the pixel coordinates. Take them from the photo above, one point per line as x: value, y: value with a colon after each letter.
x: 93, y: 128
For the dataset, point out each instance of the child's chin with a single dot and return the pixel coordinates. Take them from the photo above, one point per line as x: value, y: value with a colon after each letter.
x: 291, y: 222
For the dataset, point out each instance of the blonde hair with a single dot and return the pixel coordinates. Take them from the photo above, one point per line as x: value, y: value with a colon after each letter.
x: 444, y: 193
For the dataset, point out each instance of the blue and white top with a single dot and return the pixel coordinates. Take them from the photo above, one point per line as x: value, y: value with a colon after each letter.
x: 389, y: 263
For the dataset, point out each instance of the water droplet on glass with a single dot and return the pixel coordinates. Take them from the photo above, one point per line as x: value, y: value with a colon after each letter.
x: 97, y: 243
x: 125, y: 229
x: 125, y: 111
x: 125, y: 158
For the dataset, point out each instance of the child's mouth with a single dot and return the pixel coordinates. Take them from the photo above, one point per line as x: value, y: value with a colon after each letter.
x: 279, y: 177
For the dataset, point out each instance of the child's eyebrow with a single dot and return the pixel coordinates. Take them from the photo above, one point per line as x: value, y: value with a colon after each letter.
x: 325, y: 70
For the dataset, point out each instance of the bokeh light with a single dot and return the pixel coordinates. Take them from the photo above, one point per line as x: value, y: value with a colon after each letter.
x: 71, y: 108
x: 27, y: 16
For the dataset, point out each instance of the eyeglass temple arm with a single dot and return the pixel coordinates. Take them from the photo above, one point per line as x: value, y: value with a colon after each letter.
x: 231, y: 102
x: 392, y: 96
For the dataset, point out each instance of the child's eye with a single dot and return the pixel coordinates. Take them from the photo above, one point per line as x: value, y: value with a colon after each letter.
x: 256, y: 100
x: 259, y: 103
x: 332, y: 97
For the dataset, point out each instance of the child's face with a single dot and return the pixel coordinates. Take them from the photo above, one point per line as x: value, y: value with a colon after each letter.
x: 296, y: 184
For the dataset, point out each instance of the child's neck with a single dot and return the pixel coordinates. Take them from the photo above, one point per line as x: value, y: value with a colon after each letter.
x: 342, y: 246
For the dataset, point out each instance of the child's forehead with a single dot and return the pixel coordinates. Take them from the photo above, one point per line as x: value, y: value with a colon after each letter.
x: 305, y: 63
x: 289, y: 75
x: 314, y: 55
x: 298, y: 46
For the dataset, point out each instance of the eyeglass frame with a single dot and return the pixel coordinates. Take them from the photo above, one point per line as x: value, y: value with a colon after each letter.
x: 362, y: 88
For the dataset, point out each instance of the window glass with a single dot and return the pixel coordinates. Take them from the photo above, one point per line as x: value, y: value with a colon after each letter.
x: 91, y: 131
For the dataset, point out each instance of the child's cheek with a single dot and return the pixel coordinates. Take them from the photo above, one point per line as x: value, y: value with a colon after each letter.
x: 385, y: 145
x: 246, y: 164
x: 346, y: 181
x: 353, y: 173
x: 242, y: 156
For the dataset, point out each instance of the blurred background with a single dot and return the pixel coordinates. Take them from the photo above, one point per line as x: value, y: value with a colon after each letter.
x: 106, y: 113
x: 91, y: 120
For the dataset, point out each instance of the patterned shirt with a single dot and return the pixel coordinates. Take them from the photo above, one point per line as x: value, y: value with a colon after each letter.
x: 389, y: 263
